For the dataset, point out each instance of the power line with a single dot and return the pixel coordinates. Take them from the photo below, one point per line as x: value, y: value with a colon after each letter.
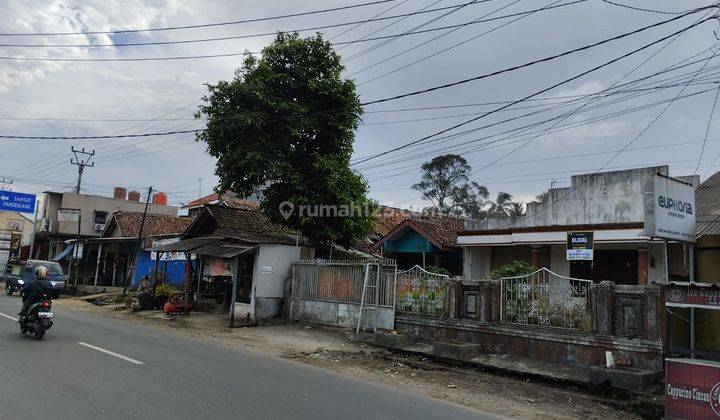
x: 586, y: 179
x: 707, y: 130
x: 205, y: 25
x: 584, y: 73
x: 523, y: 15
x: 641, y: 9
x: 534, y: 62
x: 546, y: 59
x: 231, y: 37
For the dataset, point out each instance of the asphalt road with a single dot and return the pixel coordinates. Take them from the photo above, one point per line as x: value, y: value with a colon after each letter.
x: 123, y: 370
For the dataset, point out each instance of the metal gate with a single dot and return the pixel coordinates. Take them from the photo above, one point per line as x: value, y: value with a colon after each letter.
x: 336, y: 293
x: 421, y: 292
x: 546, y: 299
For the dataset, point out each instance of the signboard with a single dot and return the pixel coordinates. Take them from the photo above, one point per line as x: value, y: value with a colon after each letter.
x: 16, y: 201
x: 168, y: 255
x: 669, y: 209
x: 692, y: 389
x: 580, y: 246
x: 693, y: 296
x: 5, y: 239
x: 68, y: 215
x: 14, y: 225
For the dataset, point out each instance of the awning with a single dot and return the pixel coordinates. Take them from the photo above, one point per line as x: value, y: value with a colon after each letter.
x: 224, y: 250
x: 187, y: 245
x: 63, y: 254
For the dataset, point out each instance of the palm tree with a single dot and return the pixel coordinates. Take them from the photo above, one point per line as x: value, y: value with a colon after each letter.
x: 502, y: 206
x: 517, y: 209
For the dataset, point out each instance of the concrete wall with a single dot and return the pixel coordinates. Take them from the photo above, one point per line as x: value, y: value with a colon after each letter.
x: 608, y: 197
x: 88, y: 204
x: 340, y: 314
x: 273, y: 265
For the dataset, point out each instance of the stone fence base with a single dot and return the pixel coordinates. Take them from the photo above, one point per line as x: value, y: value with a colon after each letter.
x: 546, y: 344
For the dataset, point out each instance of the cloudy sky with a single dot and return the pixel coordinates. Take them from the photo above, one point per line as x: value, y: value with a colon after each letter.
x: 86, y: 98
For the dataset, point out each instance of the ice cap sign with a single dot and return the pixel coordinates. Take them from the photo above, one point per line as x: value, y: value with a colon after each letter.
x: 16, y: 201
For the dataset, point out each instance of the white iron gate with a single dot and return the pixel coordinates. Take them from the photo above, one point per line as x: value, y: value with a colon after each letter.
x: 421, y: 292
x: 546, y: 299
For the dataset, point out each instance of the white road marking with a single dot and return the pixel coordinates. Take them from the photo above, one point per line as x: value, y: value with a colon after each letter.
x: 119, y: 356
x: 8, y: 316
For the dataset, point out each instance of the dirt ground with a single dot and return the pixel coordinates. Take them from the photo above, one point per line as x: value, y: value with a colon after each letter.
x: 329, y: 348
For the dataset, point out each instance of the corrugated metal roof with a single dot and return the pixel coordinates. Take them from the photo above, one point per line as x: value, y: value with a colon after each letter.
x: 187, y: 244
x: 223, y: 249
x: 707, y: 206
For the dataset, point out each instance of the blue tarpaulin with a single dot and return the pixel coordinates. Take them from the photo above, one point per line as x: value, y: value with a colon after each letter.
x: 63, y: 254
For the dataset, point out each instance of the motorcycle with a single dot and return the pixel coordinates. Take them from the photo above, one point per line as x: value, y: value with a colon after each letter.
x: 38, y: 320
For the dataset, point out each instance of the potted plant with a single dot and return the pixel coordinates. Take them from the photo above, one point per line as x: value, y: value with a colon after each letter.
x: 162, y: 292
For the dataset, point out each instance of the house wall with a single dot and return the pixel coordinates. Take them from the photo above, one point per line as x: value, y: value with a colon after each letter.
x: 145, y: 266
x: 481, y: 260
x: 476, y: 262
x: 88, y: 204
x: 273, y: 264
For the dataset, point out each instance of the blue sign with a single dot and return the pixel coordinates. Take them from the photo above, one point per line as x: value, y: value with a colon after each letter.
x: 15, y: 201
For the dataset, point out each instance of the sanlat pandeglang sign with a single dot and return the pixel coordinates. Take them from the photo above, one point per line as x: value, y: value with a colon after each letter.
x: 670, y: 209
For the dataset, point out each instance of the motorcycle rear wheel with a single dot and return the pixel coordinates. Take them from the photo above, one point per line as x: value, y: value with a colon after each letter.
x: 40, y: 332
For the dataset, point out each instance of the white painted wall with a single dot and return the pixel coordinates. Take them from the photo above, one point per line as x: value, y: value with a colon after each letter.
x: 476, y: 262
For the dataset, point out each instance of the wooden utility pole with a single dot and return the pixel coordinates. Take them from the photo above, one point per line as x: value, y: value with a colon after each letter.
x: 138, y: 243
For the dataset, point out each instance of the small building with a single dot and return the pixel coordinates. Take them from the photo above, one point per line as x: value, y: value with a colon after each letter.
x: 424, y: 241
x: 240, y: 245
x: 117, y: 254
x: 17, y: 227
x: 95, y: 212
x: 609, y: 204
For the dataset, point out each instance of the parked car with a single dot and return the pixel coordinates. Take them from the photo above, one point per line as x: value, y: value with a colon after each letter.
x: 15, y: 282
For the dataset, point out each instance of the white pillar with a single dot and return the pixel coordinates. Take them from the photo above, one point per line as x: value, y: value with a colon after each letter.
x: 97, y: 264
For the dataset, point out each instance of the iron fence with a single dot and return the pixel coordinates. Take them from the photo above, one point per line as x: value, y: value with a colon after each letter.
x: 342, y: 281
x: 421, y: 292
x: 546, y: 299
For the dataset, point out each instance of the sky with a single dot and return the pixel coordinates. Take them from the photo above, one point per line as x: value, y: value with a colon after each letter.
x: 91, y: 98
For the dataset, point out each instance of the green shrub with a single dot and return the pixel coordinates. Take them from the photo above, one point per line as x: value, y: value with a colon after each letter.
x: 514, y: 269
x: 164, y: 289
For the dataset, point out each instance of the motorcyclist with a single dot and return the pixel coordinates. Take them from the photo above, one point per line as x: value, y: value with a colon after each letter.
x: 36, y: 291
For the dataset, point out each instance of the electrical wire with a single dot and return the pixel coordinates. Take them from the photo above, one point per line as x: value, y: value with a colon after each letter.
x: 707, y: 130
x: 540, y: 92
x: 205, y: 25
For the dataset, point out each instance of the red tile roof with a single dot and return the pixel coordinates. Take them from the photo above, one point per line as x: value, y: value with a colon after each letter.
x: 155, y: 224
x: 440, y: 230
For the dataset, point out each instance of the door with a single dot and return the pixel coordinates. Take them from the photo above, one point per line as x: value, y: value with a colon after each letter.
x: 246, y: 264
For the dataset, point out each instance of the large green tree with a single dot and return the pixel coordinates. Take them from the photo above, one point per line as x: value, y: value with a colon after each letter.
x: 445, y: 182
x: 286, y: 122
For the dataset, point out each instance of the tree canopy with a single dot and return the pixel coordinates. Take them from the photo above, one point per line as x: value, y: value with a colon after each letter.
x: 445, y: 182
x: 286, y: 123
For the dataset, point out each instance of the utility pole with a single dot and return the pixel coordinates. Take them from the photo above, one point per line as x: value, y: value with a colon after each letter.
x: 82, y: 159
x: 8, y: 182
x: 199, y: 188
x: 139, y: 241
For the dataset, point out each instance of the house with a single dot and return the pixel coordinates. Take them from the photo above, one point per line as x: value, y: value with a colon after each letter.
x: 702, y: 340
x: 94, y: 213
x: 424, y: 241
x: 609, y: 204
x: 240, y: 248
x: 117, y: 255
x: 15, y: 229
x: 193, y: 208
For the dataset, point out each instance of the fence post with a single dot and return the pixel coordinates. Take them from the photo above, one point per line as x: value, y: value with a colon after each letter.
x: 653, y: 311
x: 602, y: 297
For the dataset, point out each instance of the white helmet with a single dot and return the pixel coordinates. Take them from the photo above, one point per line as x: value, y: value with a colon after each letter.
x: 41, y: 272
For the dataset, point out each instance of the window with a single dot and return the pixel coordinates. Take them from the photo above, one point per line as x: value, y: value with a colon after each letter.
x: 100, y: 217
